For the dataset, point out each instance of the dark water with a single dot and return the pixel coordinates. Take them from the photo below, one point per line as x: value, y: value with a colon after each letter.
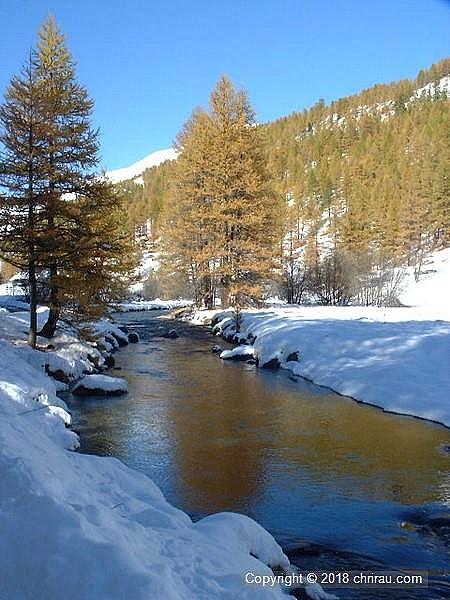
x: 339, y: 484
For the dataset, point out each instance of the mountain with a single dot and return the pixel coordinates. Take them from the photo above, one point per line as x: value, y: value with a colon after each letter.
x: 135, y: 171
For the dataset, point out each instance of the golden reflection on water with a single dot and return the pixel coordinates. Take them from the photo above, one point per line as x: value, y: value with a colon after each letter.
x: 224, y: 436
x: 229, y: 432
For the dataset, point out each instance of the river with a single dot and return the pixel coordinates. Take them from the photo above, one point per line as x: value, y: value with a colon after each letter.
x: 338, y: 483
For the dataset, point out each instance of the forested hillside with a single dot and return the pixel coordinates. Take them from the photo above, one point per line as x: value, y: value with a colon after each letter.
x: 362, y: 186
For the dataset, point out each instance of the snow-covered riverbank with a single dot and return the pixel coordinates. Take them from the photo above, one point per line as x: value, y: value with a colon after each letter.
x: 157, y: 304
x: 85, y: 527
x: 395, y: 358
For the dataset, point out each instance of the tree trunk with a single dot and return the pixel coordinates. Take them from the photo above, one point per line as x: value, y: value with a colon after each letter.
x: 33, y: 303
x: 49, y: 328
x: 31, y: 233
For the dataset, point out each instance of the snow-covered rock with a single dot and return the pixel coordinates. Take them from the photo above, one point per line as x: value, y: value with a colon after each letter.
x: 100, y: 385
x: 243, y: 352
x: 111, y: 332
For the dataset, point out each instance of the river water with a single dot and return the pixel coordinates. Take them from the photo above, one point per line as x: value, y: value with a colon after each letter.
x: 341, y: 485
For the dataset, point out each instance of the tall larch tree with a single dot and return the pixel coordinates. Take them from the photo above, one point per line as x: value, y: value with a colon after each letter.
x: 244, y: 204
x: 70, y: 154
x: 22, y: 136
x: 190, y: 233
x: 222, y: 222
x: 57, y: 216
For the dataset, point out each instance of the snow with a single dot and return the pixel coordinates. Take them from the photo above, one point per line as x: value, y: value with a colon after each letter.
x: 149, y: 264
x: 10, y: 302
x: 238, y: 352
x: 431, y: 293
x: 395, y: 358
x: 105, y: 383
x: 82, y: 526
x: 26, y: 392
x: 157, y: 304
x: 430, y: 89
x: 104, y: 327
x: 135, y: 170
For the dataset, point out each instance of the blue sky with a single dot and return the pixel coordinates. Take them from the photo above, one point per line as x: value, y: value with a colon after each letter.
x: 148, y: 63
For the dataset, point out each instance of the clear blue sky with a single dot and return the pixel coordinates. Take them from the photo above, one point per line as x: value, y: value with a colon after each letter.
x: 148, y: 63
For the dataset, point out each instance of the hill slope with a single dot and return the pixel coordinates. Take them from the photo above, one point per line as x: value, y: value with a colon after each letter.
x: 136, y: 170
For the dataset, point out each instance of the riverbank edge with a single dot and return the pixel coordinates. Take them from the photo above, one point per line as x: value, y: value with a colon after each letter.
x: 291, y: 338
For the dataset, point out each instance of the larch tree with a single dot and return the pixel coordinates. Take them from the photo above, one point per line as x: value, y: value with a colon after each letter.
x: 100, y: 258
x: 243, y: 200
x: 190, y: 233
x: 57, y: 215
x: 223, y: 222
x: 21, y: 180
x: 70, y: 155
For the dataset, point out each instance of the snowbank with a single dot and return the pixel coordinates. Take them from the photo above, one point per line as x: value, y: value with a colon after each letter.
x: 431, y: 293
x: 395, y: 358
x: 387, y: 357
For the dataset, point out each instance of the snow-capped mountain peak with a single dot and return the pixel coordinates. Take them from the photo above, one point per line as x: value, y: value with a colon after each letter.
x: 135, y: 170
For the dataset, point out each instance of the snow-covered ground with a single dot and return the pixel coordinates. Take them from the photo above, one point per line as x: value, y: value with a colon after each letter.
x: 157, y: 304
x: 395, y: 358
x: 78, y: 526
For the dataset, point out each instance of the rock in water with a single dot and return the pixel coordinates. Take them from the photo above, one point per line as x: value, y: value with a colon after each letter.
x: 244, y: 352
x: 109, y: 360
x: 171, y: 334
x: 100, y: 385
x: 272, y: 364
